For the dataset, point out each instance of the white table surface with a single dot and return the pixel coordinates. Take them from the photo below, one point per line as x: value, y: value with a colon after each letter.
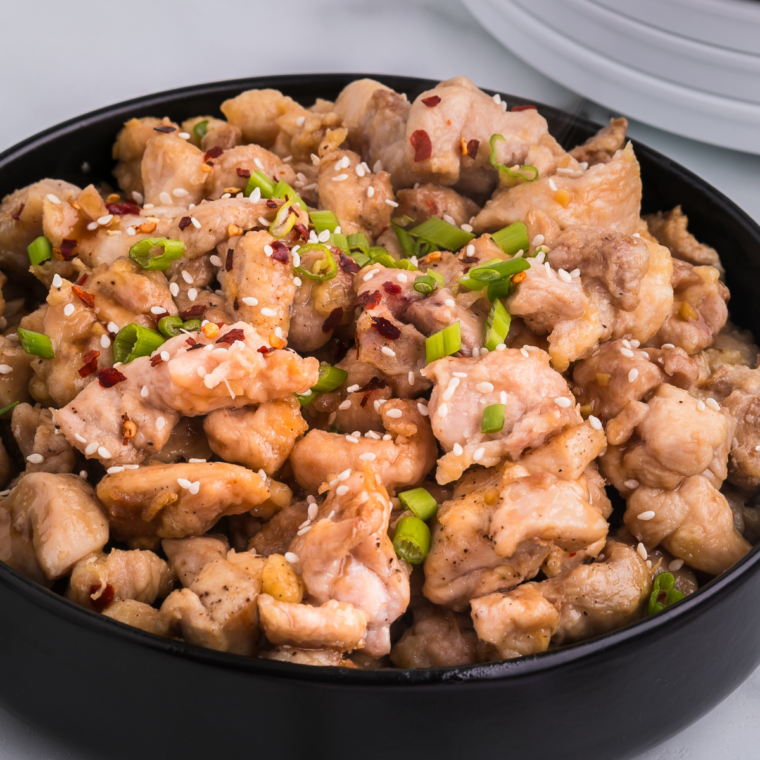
x: 63, y: 59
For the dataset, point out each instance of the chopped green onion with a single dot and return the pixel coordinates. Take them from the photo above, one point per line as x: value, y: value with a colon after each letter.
x: 420, y: 501
x: 493, y: 419
x: 664, y: 593
x: 260, y: 180
x: 170, y: 326
x: 505, y: 170
x: 497, y: 326
x: 36, y: 343
x: 381, y: 256
x: 473, y: 284
x: 442, y: 234
x: 404, y: 264
x: 358, y: 241
x: 324, y: 220
x: 200, y: 129
x: 339, y: 240
x: 6, y: 409
x: 192, y: 325
x: 361, y: 259
x: 330, y: 378
x: 512, y: 239
x: 327, y: 263
x: 405, y: 240
x: 443, y: 343
x: 140, y: 252
x: 283, y: 222
x: 283, y: 190
x: 437, y: 276
x: 402, y: 221
x: 411, y: 540
x: 493, y: 272
x: 423, y: 247
x: 134, y: 341
x: 499, y: 289
x: 306, y: 398
x: 425, y: 284
x: 39, y: 250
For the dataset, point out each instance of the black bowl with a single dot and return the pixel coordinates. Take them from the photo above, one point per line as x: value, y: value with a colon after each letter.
x: 115, y: 691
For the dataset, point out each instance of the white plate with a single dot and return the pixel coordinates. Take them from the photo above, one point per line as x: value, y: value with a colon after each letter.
x: 554, y: 41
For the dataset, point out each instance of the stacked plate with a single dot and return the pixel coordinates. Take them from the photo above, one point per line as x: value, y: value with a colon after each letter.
x: 688, y: 66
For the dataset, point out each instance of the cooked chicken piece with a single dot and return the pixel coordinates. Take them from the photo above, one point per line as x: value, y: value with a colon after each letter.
x: 619, y: 262
x: 307, y: 131
x: 699, y: 309
x: 215, y: 133
x: 7, y: 470
x: 337, y: 625
x: 176, y: 500
x: 463, y: 564
x: 277, y: 534
x: 602, y: 146
x: 172, y: 171
x: 61, y: 515
x: 732, y: 346
x: 129, y: 149
x: 395, y: 288
x: 219, y: 610
x: 621, y: 427
x: 424, y: 201
x: 618, y: 374
x: 655, y: 298
x: 14, y: 385
x: 536, y: 398
x: 187, y: 556
x: 187, y: 442
x: 233, y: 167
x: 400, y: 462
x: 98, y: 579
x: 671, y: 229
x: 259, y: 288
x: 353, y: 102
x: 255, y: 112
x: 517, y: 623
x: 261, y: 439
x: 347, y: 556
x: 685, y: 580
x: 607, y: 195
x: 21, y: 220
x: 35, y: 432
x: 344, y: 189
x: 138, y: 615
x: 677, y: 438
x: 693, y: 522
x: 325, y: 658
x: 17, y: 550
x: 234, y: 374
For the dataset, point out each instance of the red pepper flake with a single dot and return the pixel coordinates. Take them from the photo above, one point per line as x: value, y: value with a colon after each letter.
x: 472, y: 148
x: 195, y: 347
x: 433, y: 206
x: 333, y: 320
x: 191, y: 341
x: 109, y: 376
x: 301, y: 230
x: 280, y: 252
x: 432, y: 101
x: 374, y: 384
x: 17, y: 213
x: 164, y: 129
x: 386, y: 328
x: 105, y: 599
x: 198, y: 310
x: 236, y: 304
x: 391, y: 288
x: 86, y: 298
x: 230, y: 259
x: 67, y: 249
x: 214, y: 152
x: 243, y: 172
x: 367, y: 300
x: 524, y: 108
x: 271, y: 203
x: 185, y: 222
x: 90, y: 364
x: 122, y: 209
x: 232, y: 336
x: 420, y: 141
x: 83, y: 279
x: 348, y: 265
x: 266, y: 350
x: 156, y: 360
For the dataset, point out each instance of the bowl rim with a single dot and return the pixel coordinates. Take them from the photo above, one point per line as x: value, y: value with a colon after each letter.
x: 566, y: 656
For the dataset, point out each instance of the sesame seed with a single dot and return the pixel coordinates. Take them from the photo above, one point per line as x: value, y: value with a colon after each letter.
x: 353, y: 388
x: 595, y: 422
x: 144, y: 391
x: 466, y: 227
x: 443, y: 410
x: 422, y: 409
x: 552, y: 185
x: 345, y: 475
x: 114, y: 470
x: 701, y: 405
x: 195, y: 487
x: 258, y: 163
x: 668, y: 345
x: 215, y: 260
x: 359, y: 170
x: 503, y: 397
x: 165, y: 198
x: 137, y: 197
x: 92, y: 226
x: 458, y: 450
x: 192, y: 294
x: 387, y: 437
x: 291, y: 557
x: 391, y: 203
x: 83, y: 474
x: 497, y: 98
x: 195, y: 222
x: 450, y: 302
x: 575, y: 273
x: 312, y: 511
x: 297, y: 282
x: 524, y: 352
x: 632, y: 375
x: 478, y: 455
x: 35, y: 459
x: 648, y: 515
x: 388, y: 351
x: 183, y: 482
x: 278, y: 331
x: 370, y: 191
x: 344, y: 405
x: 174, y: 289
x: 57, y: 281
x: 475, y: 352
x: 5, y: 369
x: 184, y: 135
x: 537, y: 240
x: 562, y: 402
x: 713, y: 404
x: 539, y: 258
x: 113, y: 327
x: 368, y: 457
x: 53, y: 199
x: 626, y: 343
x: 564, y: 276
x: 340, y: 177
x: 296, y: 257
x: 341, y: 490
x: 367, y: 277
x: 410, y: 377
x: 103, y: 452
x: 401, y: 277
x: 160, y: 423
x: 394, y: 413
x: 484, y: 387
x: 675, y: 565
x: 91, y: 449
x: 642, y: 552
x: 157, y: 310
x: 255, y: 196
x: 627, y: 352
x: 68, y: 309
x: 80, y: 438
x: 250, y: 301
x: 632, y: 484
x: 195, y: 461
x: 267, y: 312
x: 635, y: 344
x: 351, y: 439
x: 323, y: 236
x: 179, y: 192
x: 548, y: 268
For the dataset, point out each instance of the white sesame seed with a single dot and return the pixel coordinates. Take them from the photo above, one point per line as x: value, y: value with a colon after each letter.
x: 165, y: 356
x: 165, y: 198
x: 461, y: 375
x: 548, y: 268
x: 388, y: 351
x: 539, y: 258
x: 5, y: 369
x: 391, y: 203
x: 352, y: 439
x: 387, y: 437
x: 184, y: 135
x: 57, y: 280
x: 632, y: 484
x: 394, y: 413
x: 537, y: 240
x: 367, y: 277
x: 564, y: 276
x: 292, y: 558
x: 195, y: 487
x: 340, y: 177
x: 68, y: 309
x: 192, y: 460
x: 323, y: 236
x: 359, y: 170
x: 35, y: 459
x: 368, y: 457
x: 524, y: 352
x: 632, y: 375
x: 443, y: 410
x: 183, y: 482
x: 250, y: 301
x: 179, y: 192
x: 552, y: 185
x: 278, y: 331
x: 344, y: 405
x: 353, y: 388
x: 475, y: 352
x: 258, y: 163
x: 345, y: 475
x: 148, y: 205
x: 401, y: 277
x: 297, y: 281
x: 103, y: 452
x: 93, y: 226
x: 458, y: 450
x: 370, y: 191
x: 713, y: 404
x: 675, y: 565
x: 503, y: 397
x: 144, y: 391
x: 137, y: 197
x: 595, y: 422
x: 701, y: 405
x: 267, y: 312
x: 83, y: 474
x: 296, y: 257
x: 422, y: 409
x: 195, y: 222
x: 562, y: 402
x: 466, y: 227
x: 91, y: 449
x: 157, y: 310
x: 341, y: 490
x: 80, y: 438
x: 113, y: 327
x: 160, y: 423
x: 450, y: 302
x: 114, y: 470
x: 478, y: 455
x: 103, y: 220
x: 668, y: 345
x: 449, y: 220
x: 627, y: 352
x: 174, y: 289
x: 648, y: 515
x: 410, y: 377
x: 215, y: 260
x: 192, y: 294
x: 642, y: 552
x: 484, y: 387
x: 497, y: 98
x: 53, y: 199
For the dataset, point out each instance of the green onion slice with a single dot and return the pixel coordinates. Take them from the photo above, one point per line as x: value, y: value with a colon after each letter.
x: 306, y: 398
x: 358, y: 241
x: 36, y: 343
x: 442, y: 234
x: 260, y: 180
x: 283, y: 190
x: 361, y: 259
x: 324, y: 220
x: 497, y: 326
x: 405, y: 240
x: 140, y: 252
x: 6, y: 409
x: 493, y: 419
x: 512, y: 239
x: 200, y: 129
x: 498, y: 270
x: 323, y: 269
x: 283, y: 222
x: 437, y: 276
x: 443, y: 343
x: 134, y: 341
x: 664, y: 593
x: 527, y: 169
x: 411, y: 539
x: 404, y: 264
x: 339, y: 240
x: 330, y: 378
x: 425, y: 284
x: 39, y: 250
x: 420, y: 501
x: 170, y: 326
x: 192, y: 325
x: 499, y: 289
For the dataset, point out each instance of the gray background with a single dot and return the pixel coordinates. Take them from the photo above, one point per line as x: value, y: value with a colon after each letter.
x: 60, y: 59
